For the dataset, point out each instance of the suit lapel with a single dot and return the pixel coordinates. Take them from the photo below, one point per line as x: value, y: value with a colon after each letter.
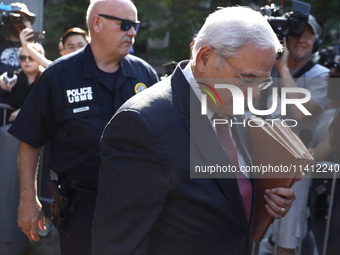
x: 181, y: 94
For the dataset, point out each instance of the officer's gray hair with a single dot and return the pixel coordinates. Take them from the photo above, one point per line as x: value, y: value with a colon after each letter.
x: 229, y: 29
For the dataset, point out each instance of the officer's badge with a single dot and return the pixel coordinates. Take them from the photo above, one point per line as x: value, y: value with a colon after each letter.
x: 140, y: 87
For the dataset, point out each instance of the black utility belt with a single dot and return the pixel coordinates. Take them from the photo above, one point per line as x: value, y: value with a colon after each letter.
x: 77, y: 190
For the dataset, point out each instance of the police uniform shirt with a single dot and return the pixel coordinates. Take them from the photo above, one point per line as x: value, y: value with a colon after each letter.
x: 70, y: 106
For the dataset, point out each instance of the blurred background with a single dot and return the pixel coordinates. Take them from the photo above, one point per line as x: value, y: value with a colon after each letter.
x: 167, y: 26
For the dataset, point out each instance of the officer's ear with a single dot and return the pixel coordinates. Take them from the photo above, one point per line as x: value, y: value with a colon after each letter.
x: 204, y: 58
x: 97, y: 23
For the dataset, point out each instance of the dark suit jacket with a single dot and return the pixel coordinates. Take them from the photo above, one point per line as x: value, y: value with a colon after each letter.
x: 147, y: 202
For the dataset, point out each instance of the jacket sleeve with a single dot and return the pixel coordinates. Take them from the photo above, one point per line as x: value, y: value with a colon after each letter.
x: 133, y: 167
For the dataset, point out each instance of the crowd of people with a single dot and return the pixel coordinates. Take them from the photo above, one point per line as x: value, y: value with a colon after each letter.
x: 122, y: 143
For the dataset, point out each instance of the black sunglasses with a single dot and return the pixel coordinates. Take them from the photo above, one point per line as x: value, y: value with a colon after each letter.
x: 25, y: 58
x: 126, y: 24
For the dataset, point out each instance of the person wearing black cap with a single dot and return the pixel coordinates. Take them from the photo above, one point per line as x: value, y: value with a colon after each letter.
x: 297, y: 70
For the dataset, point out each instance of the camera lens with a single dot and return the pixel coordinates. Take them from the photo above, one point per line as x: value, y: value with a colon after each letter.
x: 15, y: 18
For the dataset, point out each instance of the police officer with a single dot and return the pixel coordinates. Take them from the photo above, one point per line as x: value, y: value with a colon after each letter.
x: 69, y: 106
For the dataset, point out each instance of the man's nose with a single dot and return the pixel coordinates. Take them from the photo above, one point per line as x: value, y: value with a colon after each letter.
x: 132, y: 32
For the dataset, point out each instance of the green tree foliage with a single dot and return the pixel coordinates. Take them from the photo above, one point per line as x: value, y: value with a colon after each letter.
x: 328, y: 13
x: 178, y: 19
x: 58, y: 17
x: 182, y: 19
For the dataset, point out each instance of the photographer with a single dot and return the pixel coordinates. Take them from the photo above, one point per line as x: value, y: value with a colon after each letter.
x: 10, y: 40
x: 296, y: 70
x: 325, y: 148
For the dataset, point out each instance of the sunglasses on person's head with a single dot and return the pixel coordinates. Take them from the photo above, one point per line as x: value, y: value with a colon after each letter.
x: 25, y: 58
x: 126, y: 24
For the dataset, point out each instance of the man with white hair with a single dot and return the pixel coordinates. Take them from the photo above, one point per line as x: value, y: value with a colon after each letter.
x: 69, y: 107
x: 148, y: 202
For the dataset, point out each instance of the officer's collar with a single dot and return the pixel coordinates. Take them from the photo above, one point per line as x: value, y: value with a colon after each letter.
x: 91, y: 70
x: 126, y: 67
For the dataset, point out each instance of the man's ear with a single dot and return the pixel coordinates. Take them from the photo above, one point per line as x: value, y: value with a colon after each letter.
x: 202, y: 58
x: 97, y: 24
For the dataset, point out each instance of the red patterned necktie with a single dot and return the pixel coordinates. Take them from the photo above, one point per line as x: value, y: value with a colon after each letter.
x: 244, y: 183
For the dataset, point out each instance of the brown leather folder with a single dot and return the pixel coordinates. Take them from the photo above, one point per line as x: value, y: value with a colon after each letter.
x: 279, y: 156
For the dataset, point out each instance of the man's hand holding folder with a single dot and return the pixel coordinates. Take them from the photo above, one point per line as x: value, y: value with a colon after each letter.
x: 279, y: 156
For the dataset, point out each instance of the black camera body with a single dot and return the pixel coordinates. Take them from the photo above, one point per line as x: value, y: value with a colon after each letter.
x: 7, y: 17
x: 287, y: 24
x: 330, y: 58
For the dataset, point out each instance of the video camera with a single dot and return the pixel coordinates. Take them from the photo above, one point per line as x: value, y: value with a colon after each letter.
x: 7, y: 17
x: 330, y: 58
x: 287, y: 24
